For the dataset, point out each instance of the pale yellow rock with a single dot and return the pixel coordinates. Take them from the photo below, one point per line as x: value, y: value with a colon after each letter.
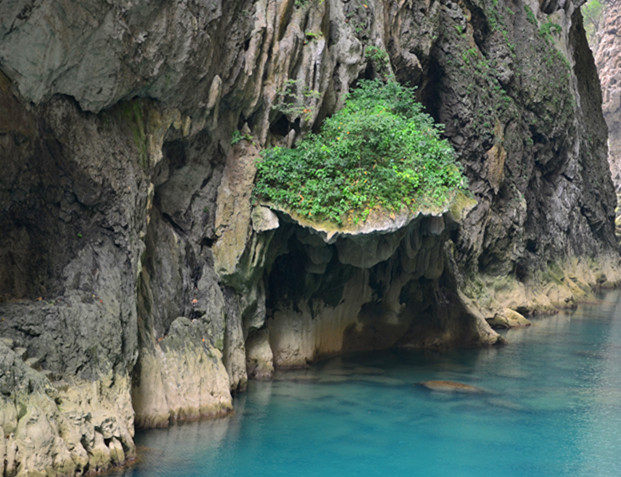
x: 37, y: 435
x: 10, y: 456
x: 233, y: 208
x: 496, y: 157
x: 2, y: 452
x: 61, y: 465
x: 508, y: 318
x: 49, y: 435
x: 99, y: 454
x: 298, y: 336
x: 263, y: 219
x: 579, y: 287
x: 149, y: 399
x: 181, y: 384
x: 8, y: 417
x: 461, y: 206
x: 157, y: 124
x: 259, y: 356
x: 561, y: 285
x: 79, y: 456
x: 560, y: 295
x: 203, y: 391
x: 105, y: 404
x: 215, y: 91
x: 486, y: 334
x: 116, y: 451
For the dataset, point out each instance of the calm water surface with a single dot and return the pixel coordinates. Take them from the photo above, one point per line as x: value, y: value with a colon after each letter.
x: 552, y: 407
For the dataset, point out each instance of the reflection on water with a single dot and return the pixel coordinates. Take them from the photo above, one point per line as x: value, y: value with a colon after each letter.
x: 552, y: 406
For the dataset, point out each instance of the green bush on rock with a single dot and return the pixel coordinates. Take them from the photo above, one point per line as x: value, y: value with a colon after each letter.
x: 380, y: 151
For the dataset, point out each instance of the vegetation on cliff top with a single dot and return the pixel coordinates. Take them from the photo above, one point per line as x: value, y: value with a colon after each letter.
x: 380, y: 151
x: 593, y: 13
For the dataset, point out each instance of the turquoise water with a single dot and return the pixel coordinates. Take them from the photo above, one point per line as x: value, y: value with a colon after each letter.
x: 552, y: 407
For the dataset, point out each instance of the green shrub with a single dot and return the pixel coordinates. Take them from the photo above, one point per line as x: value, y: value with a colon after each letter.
x: 294, y: 101
x: 548, y: 30
x: 530, y: 15
x: 380, y: 151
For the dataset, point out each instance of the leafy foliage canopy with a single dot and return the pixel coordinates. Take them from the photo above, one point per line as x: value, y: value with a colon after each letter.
x: 380, y: 151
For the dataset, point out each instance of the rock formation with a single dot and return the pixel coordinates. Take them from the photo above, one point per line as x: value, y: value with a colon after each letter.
x: 451, y: 387
x: 608, y: 61
x: 139, y: 280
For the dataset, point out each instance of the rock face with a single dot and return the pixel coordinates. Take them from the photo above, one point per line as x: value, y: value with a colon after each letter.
x: 608, y: 61
x: 138, y: 280
x: 183, y: 379
x: 61, y: 427
x: 330, y: 291
x: 508, y: 318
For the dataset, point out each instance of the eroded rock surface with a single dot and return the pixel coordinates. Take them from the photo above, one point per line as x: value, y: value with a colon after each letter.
x: 183, y: 379
x: 129, y: 233
x: 607, y: 50
x: 508, y: 318
x: 342, y: 291
x: 61, y: 428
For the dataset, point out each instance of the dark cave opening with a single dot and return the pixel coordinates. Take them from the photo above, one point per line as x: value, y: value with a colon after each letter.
x: 407, y: 299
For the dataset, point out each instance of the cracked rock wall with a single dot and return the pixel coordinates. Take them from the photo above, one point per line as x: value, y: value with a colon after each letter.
x: 607, y: 50
x: 139, y: 282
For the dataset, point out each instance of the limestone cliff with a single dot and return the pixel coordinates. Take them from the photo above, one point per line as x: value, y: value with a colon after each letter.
x: 607, y: 47
x: 139, y: 281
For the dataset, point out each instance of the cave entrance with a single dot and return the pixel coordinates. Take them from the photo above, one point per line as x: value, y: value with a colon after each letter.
x: 356, y: 293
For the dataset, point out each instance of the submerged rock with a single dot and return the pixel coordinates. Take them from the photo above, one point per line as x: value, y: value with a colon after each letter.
x: 451, y: 387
